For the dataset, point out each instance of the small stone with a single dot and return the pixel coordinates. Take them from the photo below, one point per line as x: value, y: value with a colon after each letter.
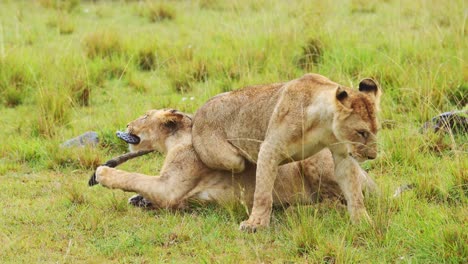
x: 89, y: 138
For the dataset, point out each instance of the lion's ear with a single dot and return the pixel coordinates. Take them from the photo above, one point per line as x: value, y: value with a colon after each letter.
x: 371, y: 87
x: 341, y: 94
x: 172, y: 118
x: 342, y: 101
x: 171, y: 125
x: 368, y: 85
x: 173, y: 115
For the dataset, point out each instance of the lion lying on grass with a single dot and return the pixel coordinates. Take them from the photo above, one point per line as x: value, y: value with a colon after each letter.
x: 184, y: 176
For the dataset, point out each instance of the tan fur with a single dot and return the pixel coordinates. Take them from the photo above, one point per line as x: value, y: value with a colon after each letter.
x: 184, y: 176
x: 274, y: 124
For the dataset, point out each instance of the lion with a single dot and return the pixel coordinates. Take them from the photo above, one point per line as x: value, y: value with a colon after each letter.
x: 184, y: 177
x: 273, y: 124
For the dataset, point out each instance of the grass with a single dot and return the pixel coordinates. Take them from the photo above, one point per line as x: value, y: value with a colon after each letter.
x: 103, y: 43
x: 156, y: 12
x: 67, y: 67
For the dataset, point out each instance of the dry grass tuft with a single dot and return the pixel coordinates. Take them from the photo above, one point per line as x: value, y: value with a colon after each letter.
x: 16, y: 78
x: 312, y: 54
x: 138, y: 82
x: 361, y: 6
x: 147, y: 59
x: 459, y: 95
x: 80, y: 90
x: 62, y: 5
x: 63, y: 23
x: 156, y: 12
x: 86, y: 158
x: 103, y: 44
x: 184, y: 75
x: 455, y: 244
x: 54, y: 110
x: 75, y: 195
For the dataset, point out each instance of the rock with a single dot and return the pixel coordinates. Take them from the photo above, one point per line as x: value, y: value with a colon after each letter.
x: 89, y: 138
x: 454, y: 122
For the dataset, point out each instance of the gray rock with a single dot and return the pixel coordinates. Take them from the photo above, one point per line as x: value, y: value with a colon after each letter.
x: 89, y: 138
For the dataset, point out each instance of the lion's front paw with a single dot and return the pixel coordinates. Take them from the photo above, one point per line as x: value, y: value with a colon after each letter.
x: 101, y: 173
x: 253, y: 224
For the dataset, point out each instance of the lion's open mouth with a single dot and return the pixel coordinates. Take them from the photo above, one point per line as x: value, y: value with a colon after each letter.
x: 127, y: 137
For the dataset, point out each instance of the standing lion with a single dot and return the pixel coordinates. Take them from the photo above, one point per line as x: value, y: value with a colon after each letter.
x: 276, y: 123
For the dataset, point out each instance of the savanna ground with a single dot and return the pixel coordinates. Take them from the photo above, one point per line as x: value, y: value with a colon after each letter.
x: 67, y: 67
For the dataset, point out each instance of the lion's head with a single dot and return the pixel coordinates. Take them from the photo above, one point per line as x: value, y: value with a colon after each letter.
x: 356, y: 119
x: 152, y: 130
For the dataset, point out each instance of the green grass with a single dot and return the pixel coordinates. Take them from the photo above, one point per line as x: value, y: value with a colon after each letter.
x: 67, y: 67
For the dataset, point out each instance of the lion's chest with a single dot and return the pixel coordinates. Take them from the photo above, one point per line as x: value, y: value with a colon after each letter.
x: 316, y: 131
x: 310, y: 143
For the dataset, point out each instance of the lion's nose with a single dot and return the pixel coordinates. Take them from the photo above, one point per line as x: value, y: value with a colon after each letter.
x: 372, y: 156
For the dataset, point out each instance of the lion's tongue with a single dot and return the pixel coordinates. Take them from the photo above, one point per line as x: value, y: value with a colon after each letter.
x: 127, y: 137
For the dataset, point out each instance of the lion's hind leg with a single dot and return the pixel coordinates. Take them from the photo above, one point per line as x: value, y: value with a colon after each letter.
x: 217, y: 152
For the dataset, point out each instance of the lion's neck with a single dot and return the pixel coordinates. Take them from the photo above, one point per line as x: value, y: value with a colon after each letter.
x: 179, y: 139
x: 322, y: 109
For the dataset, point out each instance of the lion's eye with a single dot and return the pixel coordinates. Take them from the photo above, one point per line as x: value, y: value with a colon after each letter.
x: 363, y: 133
